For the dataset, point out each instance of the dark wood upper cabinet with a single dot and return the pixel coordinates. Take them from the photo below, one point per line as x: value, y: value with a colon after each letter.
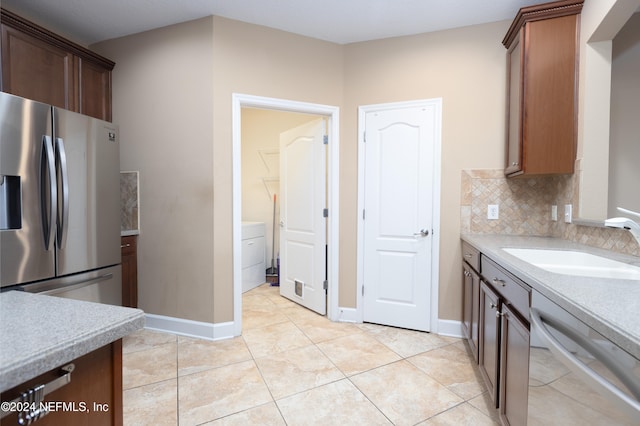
x: 40, y: 65
x: 95, y: 90
x: 542, y: 89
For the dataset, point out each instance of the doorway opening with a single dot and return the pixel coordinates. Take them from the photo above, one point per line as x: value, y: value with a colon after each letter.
x: 331, y: 114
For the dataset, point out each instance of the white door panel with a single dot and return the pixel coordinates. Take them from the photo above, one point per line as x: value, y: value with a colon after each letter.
x: 303, y: 226
x: 399, y: 156
x: 390, y: 262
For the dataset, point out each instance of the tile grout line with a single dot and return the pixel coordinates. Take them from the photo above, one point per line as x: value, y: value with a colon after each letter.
x: 297, y: 321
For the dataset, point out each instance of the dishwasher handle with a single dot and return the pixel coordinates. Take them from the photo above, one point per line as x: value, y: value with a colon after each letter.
x: 599, y: 383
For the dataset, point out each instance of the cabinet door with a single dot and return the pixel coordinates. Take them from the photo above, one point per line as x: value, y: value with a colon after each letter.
x: 514, y: 105
x: 467, y: 303
x: 514, y: 368
x: 36, y: 70
x: 95, y: 90
x: 489, y: 339
x: 475, y: 314
x: 129, y: 247
x: 549, y: 97
x: 471, y: 306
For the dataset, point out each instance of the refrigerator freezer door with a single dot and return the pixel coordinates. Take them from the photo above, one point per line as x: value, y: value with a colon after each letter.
x: 101, y: 286
x: 26, y: 174
x: 89, y: 192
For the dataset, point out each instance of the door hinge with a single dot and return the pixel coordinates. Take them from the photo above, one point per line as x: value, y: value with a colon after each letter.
x: 363, y: 291
x: 325, y: 212
x: 362, y: 214
x: 364, y: 136
x: 325, y: 284
x: 325, y: 139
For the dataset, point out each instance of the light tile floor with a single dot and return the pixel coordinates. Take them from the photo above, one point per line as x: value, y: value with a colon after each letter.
x: 294, y: 367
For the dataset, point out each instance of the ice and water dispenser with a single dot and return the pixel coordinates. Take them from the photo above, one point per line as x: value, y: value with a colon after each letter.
x: 10, y: 203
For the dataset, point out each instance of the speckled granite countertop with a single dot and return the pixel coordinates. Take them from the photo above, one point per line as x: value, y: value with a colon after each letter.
x: 39, y: 333
x: 610, y: 306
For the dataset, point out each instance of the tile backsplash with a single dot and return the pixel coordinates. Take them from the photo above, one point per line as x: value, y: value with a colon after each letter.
x: 129, y: 200
x: 525, y: 209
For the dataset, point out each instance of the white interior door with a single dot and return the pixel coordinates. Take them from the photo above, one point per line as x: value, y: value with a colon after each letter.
x: 302, y: 222
x: 398, y: 216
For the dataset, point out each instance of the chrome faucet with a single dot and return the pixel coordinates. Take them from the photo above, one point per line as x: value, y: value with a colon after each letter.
x: 625, y: 223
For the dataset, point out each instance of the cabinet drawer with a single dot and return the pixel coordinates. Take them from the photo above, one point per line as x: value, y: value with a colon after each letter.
x: 252, y: 251
x: 515, y: 292
x: 471, y: 255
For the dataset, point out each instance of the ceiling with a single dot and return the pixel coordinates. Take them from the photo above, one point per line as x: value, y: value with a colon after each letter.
x: 339, y: 21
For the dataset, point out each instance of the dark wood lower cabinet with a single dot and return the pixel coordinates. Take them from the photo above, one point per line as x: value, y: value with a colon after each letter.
x: 490, y: 339
x: 471, y: 304
x: 504, y: 342
x: 92, y: 398
x: 129, y: 251
x: 514, y: 368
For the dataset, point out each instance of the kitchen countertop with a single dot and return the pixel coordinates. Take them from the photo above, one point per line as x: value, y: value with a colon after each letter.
x: 609, y: 306
x: 39, y: 333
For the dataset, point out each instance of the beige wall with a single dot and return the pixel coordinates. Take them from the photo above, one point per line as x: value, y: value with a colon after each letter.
x: 162, y: 101
x: 466, y: 68
x: 172, y: 99
x: 258, y: 61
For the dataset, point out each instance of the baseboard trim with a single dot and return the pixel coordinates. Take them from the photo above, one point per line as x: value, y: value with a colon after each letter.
x: 450, y: 328
x: 189, y: 328
x: 347, y: 315
x: 225, y: 330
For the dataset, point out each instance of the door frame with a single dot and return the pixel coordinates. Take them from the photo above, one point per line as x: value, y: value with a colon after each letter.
x: 435, y: 236
x: 332, y: 113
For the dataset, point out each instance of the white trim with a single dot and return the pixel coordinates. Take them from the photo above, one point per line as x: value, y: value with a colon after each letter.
x: 240, y: 101
x: 347, y: 315
x: 450, y: 328
x: 185, y: 327
x: 437, y: 160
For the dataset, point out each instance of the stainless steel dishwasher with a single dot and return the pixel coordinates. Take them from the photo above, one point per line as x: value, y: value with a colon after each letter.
x: 576, y: 375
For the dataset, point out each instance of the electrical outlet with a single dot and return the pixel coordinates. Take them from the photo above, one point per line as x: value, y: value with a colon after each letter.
x: 493, y: 211
x: 567, y: 213
x: 554, y: 213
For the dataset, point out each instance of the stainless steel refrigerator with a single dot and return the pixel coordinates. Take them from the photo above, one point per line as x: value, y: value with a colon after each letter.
x: 59, y: 202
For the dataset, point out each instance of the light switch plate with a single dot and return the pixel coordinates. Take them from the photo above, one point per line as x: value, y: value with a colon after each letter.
x: 554, y: 213
x: 493, y: 211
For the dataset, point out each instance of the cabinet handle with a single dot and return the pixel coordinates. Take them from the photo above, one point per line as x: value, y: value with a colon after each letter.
x: 497, y: 281
x: 493, y: 306
x: 34, y: 397
x: 499, y: 314
x: 468, y: 255
x: 125, y: 245
x: 515, y: 163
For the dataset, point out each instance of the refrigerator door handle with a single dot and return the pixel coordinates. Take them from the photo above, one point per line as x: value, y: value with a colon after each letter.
x: 48, y: 192
x: 63, y: 209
